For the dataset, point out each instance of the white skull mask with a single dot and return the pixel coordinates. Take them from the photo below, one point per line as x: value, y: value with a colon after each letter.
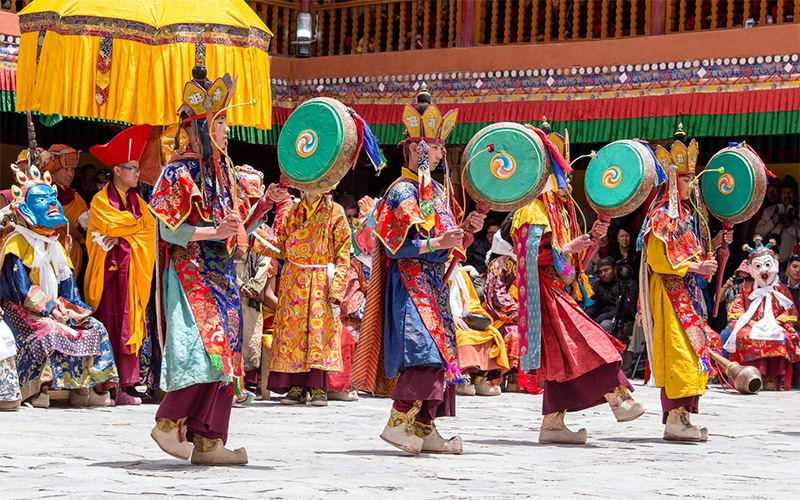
x: 764, y: 269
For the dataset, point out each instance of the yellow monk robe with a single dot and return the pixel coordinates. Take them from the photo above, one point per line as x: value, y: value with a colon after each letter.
x: 475, y: 337
x: 108, y: 219
x: 675, y: 365
x: 74, y: 207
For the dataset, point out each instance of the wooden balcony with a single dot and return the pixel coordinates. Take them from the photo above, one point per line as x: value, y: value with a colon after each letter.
x: 685, y: 16
x: 376, y: 26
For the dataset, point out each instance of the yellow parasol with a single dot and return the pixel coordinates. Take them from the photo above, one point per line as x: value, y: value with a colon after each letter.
x: 128, y: 60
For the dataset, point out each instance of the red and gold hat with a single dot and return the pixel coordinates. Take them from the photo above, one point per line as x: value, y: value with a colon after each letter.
x: 430, y: 126
x: 127, y: 146
x: 680, y: 156
x: 59, y: 156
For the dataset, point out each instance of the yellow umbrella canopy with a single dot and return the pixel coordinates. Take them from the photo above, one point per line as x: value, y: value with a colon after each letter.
x: 128, y: 60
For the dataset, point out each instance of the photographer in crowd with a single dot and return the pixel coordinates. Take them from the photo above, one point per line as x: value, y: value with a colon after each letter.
x: 615, y: 294
x: 780, y: 221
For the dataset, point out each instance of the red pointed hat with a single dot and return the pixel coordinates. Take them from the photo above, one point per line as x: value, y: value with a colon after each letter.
x: 128, y: 145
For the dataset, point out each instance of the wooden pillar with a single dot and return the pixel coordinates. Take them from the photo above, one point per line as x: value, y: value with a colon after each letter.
x: 658, y: 17
x: 467, y: 23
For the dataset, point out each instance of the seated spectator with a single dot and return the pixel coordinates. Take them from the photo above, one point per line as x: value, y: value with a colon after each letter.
x: 84, y: 184
x: 607, y: 288
x: 60, y: 345
x: 476, y: 253
x: 792, y: 278
x: 481, y: 349
x: 730, y: 289
x: 780, y: 221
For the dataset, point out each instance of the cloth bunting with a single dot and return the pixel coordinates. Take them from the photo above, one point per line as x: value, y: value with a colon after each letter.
x: 369, y: 143
x: 560, y: 165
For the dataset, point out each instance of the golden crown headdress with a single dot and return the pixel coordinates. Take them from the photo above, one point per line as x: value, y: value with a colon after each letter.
x: 27, y: 175
x: 431, y: 126
x: 201, y: 96
x: 679, y: 156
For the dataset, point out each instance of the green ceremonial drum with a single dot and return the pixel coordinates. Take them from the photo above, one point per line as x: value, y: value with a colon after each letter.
x: 317, y: 145
x: 735, y: 194
x: 510, y: 176
x: 620, y: 177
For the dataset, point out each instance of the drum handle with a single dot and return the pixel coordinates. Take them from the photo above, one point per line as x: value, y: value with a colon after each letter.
x: 722, y: 254
x: 693, y: 184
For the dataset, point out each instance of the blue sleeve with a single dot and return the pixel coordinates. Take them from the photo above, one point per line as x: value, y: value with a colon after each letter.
x: 410, y: 250
x: 15, y: 284
x: 69, y: 290
x: 180, y: 236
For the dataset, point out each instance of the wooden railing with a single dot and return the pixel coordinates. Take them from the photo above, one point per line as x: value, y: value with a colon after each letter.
x: 280, y: 16
x: 684, y: 16
x: 13, y: 5
x: 364, y: 26
x: 537, y: 21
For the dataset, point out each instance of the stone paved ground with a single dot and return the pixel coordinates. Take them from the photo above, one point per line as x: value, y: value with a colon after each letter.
x: 335, y: 452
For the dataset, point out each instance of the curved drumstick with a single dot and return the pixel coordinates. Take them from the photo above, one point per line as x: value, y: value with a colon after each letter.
x: 722, y: 256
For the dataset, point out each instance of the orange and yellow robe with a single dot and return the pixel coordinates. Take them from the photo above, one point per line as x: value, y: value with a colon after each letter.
x: 314, y: 244
x: 74, y: 207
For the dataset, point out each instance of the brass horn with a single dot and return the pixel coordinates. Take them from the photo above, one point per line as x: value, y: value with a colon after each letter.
x: 746, y: 379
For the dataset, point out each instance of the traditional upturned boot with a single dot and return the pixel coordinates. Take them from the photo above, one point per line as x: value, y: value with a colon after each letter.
x: 171, y: 438
x: 679, y: 427
x: 432, y: 442
x: 399, y: 432
x: 10, y: 405
x: 89, y: 398
x: 555, y: 431
x: 212, y: 452
x: 351, y: 395
x: 465, y: 389
x: 41, y: 400
x: 482, y: 387
x: 623, y: 405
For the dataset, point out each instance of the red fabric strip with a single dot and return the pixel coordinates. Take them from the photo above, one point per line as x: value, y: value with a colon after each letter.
x: 754, y: 101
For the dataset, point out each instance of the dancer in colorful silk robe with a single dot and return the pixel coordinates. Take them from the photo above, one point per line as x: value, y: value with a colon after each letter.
x: 314, y: 242
x: 340, y: 387
x: 121, y: 246
x: 200, y: 220
x: 61, y: 163
x: 675, y: 238
x: 578, y: 361
x: 61, y: 346
x: 763, y: 314
x: 408, y: 315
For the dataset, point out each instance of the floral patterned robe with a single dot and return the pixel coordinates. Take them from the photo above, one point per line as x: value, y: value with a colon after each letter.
x: 306, y: 327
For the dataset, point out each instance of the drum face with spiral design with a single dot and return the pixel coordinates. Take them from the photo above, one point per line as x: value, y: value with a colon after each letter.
x: 317, y: 145
x: 735, y: 194
x: 512, y: 175
x: 620, y: 178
